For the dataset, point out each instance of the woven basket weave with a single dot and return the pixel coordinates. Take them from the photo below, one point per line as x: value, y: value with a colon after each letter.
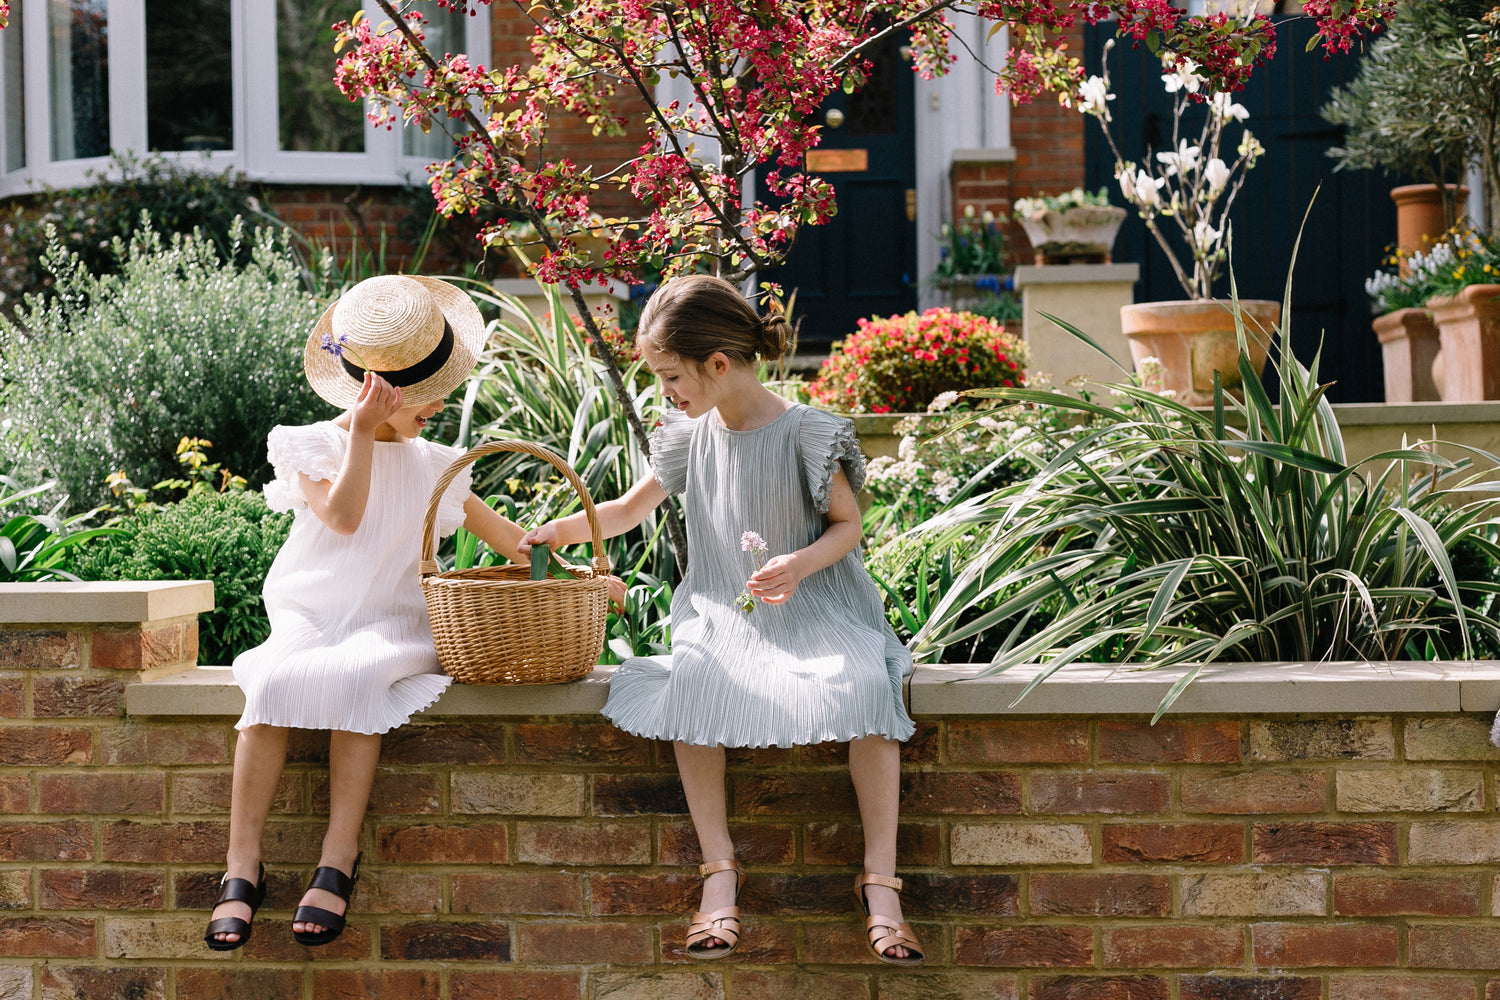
x: 494, y: 624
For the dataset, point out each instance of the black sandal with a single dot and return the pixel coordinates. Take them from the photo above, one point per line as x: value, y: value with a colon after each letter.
x: 341, y: 885
x: 235, y: 890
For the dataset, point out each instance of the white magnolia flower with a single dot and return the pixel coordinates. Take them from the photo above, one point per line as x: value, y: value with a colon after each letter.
x: 1148, y: 190
x: 1183, y: 77
x: 1206, y: 237
x: 1217, y: 175
x: 1093, y: 94
x: 1183, y: 161
x: 1223, y: 105
x: 1127, y: 182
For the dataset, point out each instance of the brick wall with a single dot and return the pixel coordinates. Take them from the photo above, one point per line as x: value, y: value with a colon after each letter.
x: 1346, y: 857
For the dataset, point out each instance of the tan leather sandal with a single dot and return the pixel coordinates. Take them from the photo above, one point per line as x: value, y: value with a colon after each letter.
x: 723, y: 923
x: 886, y: 932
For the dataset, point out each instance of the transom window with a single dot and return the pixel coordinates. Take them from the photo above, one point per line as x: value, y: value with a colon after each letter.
x: 244, y: 84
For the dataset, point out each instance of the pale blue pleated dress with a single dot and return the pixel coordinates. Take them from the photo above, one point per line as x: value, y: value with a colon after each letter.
x: 350, y: 645
x: 825, y: 665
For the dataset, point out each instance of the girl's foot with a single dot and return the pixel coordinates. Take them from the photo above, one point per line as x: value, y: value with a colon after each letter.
x: 890, y: 938
x: 229, y: 924
x: 320, y: 915
x: 715, y: 929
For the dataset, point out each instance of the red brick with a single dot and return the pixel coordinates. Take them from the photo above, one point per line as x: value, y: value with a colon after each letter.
x: 30, y: 937
x: 237, y: 983
x: 518, y: 892
x: 791, y: 895
x: 643, y: 894
x: 1454, y: 946
x: 160, y: 745
x: 480, y: 844
x: 33, y: 746
x: 800, y: 986
x: 46, y: 842
x: 445, y: 942
x: 395, y: 793
x: 446, y: 744
x: 1100, y: 894
x: 1173, y: 946
x: 969, y: 793
x: 1298, y: 946
x: 1170, y: 742
x: 754, y: 843
x: 1401, y: 987
x: 1324, y: 843
x: 181, y: 843
x: 949, y: 894
x: 102, y: 889
x: 12, y: 697
x: 66, y: 982
x: 767, y: 943
x: 1179, y: 843
x: 38, y: 649
x: 589, y: 744
x: 77, y: 697
x: 136, y: 649
x: 1029, y: 947
x: 583, y: 944
x: 844, y: 844
x: 1098, y: 988
x: 209, y: 792
x: 15, y: 794
x: 1255, y: 792
x: 638, y: 794
x: 1249, y: 988
x: 1395, y: 895
x: 1072, y: 793
x: 947, y: 985
x: 273, y: 942
x: 374, y: 984
x: 505, y: 985
x: 801, y: 794
x: 583, y: 843
x: 101, y: 794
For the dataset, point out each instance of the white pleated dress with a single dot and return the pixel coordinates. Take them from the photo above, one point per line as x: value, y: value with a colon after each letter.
x: 823, y: 666
x: 350, y: 645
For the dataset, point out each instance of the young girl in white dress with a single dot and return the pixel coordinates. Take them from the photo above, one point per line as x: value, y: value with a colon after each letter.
x: 350, y: 648
x: 778, y: 633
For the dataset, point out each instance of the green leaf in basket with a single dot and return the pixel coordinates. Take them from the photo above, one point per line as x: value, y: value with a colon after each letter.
x: 545, y: 564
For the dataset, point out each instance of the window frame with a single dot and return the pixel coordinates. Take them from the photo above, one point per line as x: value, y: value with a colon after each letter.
x: 255, y: 153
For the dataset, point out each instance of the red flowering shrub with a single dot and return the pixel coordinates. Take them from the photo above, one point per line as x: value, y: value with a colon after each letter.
x: 899, y: 364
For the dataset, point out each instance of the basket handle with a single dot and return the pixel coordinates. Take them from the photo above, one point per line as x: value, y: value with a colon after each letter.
x: 428, y: 565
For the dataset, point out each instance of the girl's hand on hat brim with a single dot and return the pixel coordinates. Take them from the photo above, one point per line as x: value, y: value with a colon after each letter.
x: 378, y: 401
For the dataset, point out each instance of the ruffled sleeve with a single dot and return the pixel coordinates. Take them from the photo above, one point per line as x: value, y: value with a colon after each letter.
x: 826, y: 442
x: 670, y: 445
x: 450, y: 516
x: 314, y: 450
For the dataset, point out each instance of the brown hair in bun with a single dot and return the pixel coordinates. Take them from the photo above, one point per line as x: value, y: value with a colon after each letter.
x: 696, y: 315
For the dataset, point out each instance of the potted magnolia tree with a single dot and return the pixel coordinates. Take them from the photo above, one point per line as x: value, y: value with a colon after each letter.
x: 1184, y: 195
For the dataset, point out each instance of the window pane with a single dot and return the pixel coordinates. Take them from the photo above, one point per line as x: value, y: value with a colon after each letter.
x: 445, y: 36
x: 79, y: 77
x: 189, y: 86
x: 314, y: 114
x: 15, y: 93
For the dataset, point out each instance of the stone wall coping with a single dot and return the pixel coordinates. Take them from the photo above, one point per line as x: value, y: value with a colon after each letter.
x: 991, y: 154
x: 115, y: 601
x: 953, y: 690
x: 1073, y: 274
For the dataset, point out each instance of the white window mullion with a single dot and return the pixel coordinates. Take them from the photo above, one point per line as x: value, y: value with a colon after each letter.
x: 127, y: 76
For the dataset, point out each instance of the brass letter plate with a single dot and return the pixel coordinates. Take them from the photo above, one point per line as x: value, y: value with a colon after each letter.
x: 828, y: 161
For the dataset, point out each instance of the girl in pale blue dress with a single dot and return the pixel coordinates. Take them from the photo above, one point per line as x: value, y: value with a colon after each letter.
x: 778, y: 634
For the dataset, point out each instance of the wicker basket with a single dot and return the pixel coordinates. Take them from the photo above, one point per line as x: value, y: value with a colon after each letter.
x: 495, y: 625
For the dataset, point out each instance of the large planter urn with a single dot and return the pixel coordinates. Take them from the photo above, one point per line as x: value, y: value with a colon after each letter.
x: 1467, y: 368
x: 1420, y: 218
x: 1084, y: 233
x: 1408, y: 346
x: 1193, y: 338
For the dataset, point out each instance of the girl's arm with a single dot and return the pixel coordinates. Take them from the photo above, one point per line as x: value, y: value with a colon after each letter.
x: 778, y: 578
x: 504, y: 536
x: 615, y: 518
x: 340, y: 504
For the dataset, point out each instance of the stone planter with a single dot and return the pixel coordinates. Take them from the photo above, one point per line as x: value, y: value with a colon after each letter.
x: 963, y: 291
x: 1467, y: 368
x: 1408, y: 346
x: 1193, y: 338
x: 1083, y: 234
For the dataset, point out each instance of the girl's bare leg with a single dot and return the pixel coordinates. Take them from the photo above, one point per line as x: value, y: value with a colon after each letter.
x: 259, y: 754
x: 351, y: 772
x: 702, y: 772
x: 875, y: 767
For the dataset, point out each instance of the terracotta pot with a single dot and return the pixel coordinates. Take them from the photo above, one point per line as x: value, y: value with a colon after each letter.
x: 1083, y: 233
x: 1419, y: 214
x: 1408, y: 346
x: 1467, y: 368
x: 1193, y: 338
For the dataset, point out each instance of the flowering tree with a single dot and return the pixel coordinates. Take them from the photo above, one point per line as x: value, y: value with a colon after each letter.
x: 1190, y: 183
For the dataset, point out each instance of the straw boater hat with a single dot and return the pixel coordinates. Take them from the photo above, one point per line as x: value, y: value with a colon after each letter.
x: 421, y: 334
